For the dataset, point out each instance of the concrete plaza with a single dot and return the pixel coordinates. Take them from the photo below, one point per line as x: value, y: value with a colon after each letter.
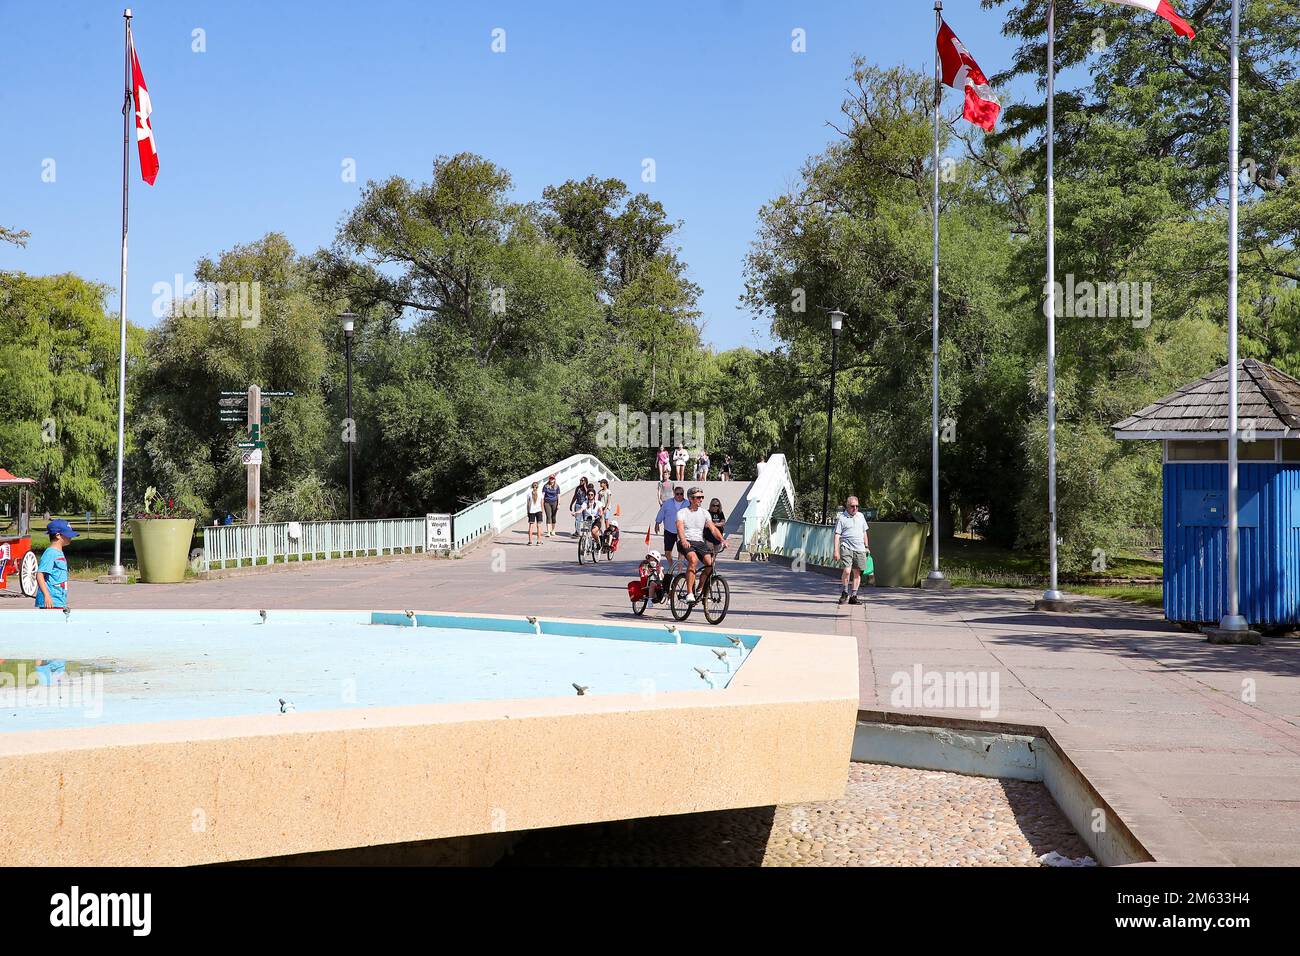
x: 1196, y: 747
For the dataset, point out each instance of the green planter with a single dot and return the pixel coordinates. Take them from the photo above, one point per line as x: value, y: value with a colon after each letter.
x: 162, y: 548
x: 898, y: 548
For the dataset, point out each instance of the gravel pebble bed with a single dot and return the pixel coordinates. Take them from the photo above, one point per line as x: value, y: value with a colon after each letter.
x: 889, y: 816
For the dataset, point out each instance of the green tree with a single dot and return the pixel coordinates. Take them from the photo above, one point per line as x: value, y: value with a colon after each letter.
x: 58, y: 373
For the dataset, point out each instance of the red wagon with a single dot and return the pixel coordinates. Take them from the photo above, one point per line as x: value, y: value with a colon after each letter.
x: 16, y: 555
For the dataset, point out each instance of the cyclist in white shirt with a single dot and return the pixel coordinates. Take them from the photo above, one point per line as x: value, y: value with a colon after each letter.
x: 692, y: 522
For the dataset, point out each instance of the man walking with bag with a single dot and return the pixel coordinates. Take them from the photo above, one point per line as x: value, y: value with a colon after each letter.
x: 851, y: 552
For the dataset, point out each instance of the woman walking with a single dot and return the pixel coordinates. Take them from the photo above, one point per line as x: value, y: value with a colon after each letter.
x: 680, y: 457
x: 661, y: 463
x: 551, y: 502
x: 535, y: 512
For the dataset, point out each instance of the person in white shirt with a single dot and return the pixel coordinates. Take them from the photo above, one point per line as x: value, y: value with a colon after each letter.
x: 851, y: 548
x: 535, y: 512
x: 680, y: 457
x: 692, y: 523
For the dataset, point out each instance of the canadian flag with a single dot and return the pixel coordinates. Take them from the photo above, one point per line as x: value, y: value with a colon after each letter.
x: 143, y: 129
x: 961, y: 71
x: 1162, y: 8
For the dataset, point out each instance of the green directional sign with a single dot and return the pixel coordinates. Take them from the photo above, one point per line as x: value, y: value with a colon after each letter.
x: 251, y: 444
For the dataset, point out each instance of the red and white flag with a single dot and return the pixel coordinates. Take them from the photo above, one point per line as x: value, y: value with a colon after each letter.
x: 960, y: 71
x: 143, y: 129
x: 1162, y: 8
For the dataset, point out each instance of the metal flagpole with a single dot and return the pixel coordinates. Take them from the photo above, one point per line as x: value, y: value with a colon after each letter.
x: 1233, y: 621
x: 935, y: 578
x: 118, y: 571
x: 1052, y: 594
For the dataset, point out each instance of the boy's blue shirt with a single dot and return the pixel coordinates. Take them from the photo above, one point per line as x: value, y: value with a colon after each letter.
x: 54, y: 565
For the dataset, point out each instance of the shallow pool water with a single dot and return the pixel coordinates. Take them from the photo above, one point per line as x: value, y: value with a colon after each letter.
x: 141, y: 666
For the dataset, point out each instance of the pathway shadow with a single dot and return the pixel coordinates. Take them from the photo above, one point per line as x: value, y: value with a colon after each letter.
x: 1113, y: 627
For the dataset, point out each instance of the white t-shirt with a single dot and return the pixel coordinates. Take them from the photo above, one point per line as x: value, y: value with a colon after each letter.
x: 693, y: 523
x: 535, y: 502
x: 681, y: 456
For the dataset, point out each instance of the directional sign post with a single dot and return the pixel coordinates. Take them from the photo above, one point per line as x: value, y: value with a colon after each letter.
x: 255, y: 467
x: 253, y: 409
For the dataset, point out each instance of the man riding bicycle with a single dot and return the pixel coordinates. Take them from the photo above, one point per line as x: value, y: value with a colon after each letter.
x: 692, y: 522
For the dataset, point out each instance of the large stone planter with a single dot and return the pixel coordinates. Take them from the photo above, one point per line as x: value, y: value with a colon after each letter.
x: 898, y: 548
x: 162, y: 548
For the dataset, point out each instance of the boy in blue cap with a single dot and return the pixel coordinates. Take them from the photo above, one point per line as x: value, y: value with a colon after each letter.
x: 52, y: 572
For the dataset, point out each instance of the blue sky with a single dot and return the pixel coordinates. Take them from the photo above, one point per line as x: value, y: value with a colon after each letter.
x: 252, y: 133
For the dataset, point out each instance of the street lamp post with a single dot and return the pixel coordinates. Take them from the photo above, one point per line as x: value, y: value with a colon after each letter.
x: 349, y: 323
x: 798, y: 451
x: 837, y: 323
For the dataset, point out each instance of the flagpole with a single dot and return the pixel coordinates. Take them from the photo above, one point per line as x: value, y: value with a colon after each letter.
x: 1053, y: 593
x: 1233, y: 620
x: 935, y: 579
x: 118, y: 572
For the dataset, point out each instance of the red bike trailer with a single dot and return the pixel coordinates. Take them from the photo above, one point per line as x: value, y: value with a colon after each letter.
x: 16, y: 555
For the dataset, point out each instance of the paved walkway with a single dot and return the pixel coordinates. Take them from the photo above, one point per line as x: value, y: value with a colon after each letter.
x: 1196, y: 746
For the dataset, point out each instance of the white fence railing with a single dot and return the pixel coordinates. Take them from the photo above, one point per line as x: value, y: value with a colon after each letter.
x: 510, y: 504
x: 237, y: 544
x: 770, y: 496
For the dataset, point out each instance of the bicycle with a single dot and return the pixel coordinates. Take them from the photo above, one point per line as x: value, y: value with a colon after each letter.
x: 588, y: 546
x: 712, y: 591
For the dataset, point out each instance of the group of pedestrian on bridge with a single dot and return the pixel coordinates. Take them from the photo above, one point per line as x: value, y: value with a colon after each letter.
x: 675, y: 466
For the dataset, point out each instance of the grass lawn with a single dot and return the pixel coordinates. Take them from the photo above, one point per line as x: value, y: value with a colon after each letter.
x: 971, y: 563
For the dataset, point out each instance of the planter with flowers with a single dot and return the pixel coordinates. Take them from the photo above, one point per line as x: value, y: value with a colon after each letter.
x: 162, y: 533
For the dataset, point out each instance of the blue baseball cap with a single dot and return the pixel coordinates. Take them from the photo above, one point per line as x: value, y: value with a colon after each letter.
x: 60, y: 526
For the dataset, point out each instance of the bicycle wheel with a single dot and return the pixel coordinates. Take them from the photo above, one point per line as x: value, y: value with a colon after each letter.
x: 609, y: 552
x: 677, y: 599
x: 717, y: 598
x: 582, y: 548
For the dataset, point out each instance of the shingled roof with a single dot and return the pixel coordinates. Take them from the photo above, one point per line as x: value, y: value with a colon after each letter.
x: 1267, y: 400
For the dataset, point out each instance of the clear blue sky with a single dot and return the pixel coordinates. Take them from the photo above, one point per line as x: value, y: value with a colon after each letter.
x: 252, y: 132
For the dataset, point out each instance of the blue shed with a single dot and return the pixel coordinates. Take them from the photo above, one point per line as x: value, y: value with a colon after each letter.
x: 1192, y: 425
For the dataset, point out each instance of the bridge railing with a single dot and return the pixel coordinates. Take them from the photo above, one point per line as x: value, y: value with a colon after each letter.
x: 814, y: 542
x: 238, y: 544
x: 510, y: 504
x: 770, y: 496
x: 242, y: 544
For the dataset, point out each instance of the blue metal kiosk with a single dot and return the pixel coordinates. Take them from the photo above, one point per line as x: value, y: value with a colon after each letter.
x: 1191, y: 424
